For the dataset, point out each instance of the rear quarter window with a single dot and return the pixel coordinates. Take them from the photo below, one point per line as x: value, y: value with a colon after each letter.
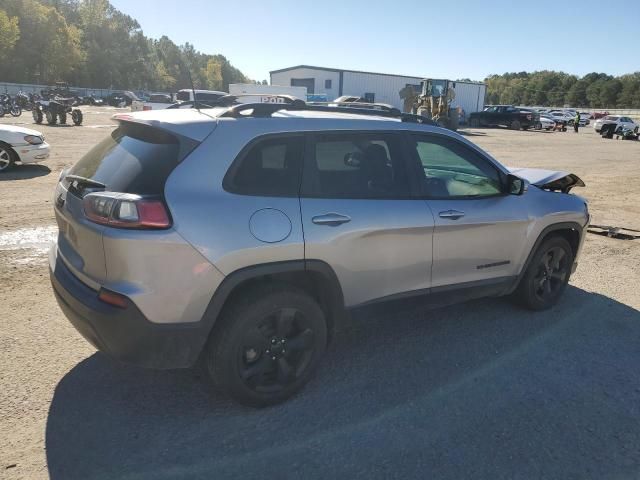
x: 268, y: 167
x: 133, y: 159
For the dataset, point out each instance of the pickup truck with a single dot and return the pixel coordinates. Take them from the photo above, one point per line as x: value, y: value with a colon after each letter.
x: 506, y: 115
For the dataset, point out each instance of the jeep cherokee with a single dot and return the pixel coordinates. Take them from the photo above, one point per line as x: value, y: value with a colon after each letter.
x: 243, y: 235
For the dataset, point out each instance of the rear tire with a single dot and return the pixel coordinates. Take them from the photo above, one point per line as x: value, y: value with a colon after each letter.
x: 7, y: 157
x: 547, y: 275
x: 266, y: 345
x: 63, y: 118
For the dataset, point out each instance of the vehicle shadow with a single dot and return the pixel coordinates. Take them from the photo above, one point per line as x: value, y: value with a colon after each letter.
x: 483, y: 389
x: 467, y: 133
x: 25, y: 172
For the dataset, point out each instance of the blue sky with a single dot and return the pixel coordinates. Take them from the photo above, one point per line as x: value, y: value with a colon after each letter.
x: 473, y: 39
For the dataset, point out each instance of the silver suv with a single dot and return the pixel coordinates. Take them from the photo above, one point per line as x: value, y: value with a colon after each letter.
x: 244, y: 235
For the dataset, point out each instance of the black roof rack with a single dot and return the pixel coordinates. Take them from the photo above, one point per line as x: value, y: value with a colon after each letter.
x: 262, y: 110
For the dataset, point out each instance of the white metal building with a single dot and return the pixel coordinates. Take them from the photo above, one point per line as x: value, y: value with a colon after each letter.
x: 375, y: 87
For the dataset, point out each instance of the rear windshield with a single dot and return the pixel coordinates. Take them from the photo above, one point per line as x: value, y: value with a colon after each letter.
x: 133, y: 159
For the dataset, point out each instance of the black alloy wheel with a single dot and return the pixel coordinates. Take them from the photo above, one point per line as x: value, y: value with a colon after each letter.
x: 552, y: 273
x: 276, y: 351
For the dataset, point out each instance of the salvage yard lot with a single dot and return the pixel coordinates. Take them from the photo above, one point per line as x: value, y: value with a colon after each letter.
x: 477, y: 390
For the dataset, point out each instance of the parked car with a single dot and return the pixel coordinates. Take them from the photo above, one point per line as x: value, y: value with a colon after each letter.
x: 597, y: 115
x: 617, y: 119
x: 164, y: 257
x: 546, y: 122
x: 586, y: 115
x: 562, y: 116
x: 121, y: 99
x: 504, y: 115
x: 24, y: 145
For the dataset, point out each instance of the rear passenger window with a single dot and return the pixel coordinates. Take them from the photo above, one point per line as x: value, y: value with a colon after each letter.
x: 270, y: 167
x: 356, y: 166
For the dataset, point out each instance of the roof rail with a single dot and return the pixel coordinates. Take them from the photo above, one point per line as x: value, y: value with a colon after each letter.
x: 374, y: 106
x: 262, y: 110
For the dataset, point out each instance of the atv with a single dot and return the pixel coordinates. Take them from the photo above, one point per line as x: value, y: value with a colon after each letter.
x: 56, y: 109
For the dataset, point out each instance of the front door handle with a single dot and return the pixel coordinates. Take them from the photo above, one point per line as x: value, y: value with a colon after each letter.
x: 451, y: 214
x: 331, y: 219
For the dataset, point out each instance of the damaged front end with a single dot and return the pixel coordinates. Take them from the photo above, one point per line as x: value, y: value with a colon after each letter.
x: 551, y: 180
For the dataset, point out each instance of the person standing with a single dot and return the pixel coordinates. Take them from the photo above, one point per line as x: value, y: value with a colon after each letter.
x: 576, y: 122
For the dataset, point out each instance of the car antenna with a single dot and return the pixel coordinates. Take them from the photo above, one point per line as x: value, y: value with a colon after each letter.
x: 193, y: 90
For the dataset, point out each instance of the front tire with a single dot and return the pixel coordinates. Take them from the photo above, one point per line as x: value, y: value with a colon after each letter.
x: 515, y: 125
x: 37, y: 115
x: 51, y: 118
x: 63, y: 118
x: 547, y: 275
x: 16, y: 111
x: 267, y: 345
x: 7, y: 158
x: 76, y: 116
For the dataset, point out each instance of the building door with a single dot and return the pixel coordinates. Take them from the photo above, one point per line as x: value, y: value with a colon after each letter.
x: 310, y: 83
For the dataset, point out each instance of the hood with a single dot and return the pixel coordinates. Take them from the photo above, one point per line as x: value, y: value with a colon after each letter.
x: 548, y: 179
x: 21, y: 130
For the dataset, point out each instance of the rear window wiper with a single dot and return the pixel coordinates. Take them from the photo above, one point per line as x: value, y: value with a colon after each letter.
x: 88, y: 182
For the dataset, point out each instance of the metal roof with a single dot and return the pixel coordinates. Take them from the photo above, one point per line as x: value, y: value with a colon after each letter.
x: 338, y: 70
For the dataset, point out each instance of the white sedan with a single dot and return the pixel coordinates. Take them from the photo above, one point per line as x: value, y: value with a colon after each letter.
x: 18, y: 144
x: 618, y: 120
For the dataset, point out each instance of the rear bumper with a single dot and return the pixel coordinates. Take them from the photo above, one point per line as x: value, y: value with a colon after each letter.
x: 125, y: 334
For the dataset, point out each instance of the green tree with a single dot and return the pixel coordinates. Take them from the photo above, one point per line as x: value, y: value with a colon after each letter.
x: 9, y: 34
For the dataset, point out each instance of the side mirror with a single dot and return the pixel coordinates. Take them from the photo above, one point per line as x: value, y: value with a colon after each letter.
x: 516, y: 185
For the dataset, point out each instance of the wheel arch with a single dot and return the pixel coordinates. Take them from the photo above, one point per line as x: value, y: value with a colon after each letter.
x: 570, y: 231
x: 315, y: 277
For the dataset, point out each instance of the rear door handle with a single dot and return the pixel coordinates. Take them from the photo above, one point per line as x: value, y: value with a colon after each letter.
x: 331, y: 219
x: 451, y: 214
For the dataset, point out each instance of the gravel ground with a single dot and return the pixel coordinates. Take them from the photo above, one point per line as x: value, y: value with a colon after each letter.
x: 482, y: 390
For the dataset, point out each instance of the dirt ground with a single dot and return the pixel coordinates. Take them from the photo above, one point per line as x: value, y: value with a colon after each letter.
x: 42, y: 357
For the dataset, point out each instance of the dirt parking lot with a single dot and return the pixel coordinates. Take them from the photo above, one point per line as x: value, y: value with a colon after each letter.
x: 481, y: 390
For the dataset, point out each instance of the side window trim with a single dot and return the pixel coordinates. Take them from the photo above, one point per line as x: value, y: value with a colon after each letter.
x: 414, y: 137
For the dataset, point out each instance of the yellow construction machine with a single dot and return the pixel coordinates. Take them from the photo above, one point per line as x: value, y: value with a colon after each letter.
x: 435, y: 102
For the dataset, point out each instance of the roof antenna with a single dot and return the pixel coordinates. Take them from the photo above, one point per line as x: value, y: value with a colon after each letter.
x: 193, y: 90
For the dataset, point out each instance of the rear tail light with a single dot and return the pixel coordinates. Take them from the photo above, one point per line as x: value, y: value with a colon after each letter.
x: 146, y: 107
x: 125, y: 210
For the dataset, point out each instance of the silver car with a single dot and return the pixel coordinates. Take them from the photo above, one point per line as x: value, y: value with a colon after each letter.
x: 243, y: 236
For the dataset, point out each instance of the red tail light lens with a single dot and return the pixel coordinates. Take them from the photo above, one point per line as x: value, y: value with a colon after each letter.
x: 124, y: 210
x: 146, y: 107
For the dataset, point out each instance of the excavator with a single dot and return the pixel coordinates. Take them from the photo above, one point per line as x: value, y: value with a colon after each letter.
x: 435, y: 102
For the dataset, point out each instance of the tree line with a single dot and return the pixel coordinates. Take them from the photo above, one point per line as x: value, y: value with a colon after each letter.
x: 548, y: 88
x: 91, y: 43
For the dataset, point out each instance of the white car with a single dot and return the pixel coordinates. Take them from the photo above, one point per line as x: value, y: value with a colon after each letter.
x: 546, y: 122
x: 618, y: 120
x: 562, y: 117
x: 18, y: 144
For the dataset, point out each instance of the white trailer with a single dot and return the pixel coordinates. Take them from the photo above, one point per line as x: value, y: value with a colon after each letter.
x: 255, y: 89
